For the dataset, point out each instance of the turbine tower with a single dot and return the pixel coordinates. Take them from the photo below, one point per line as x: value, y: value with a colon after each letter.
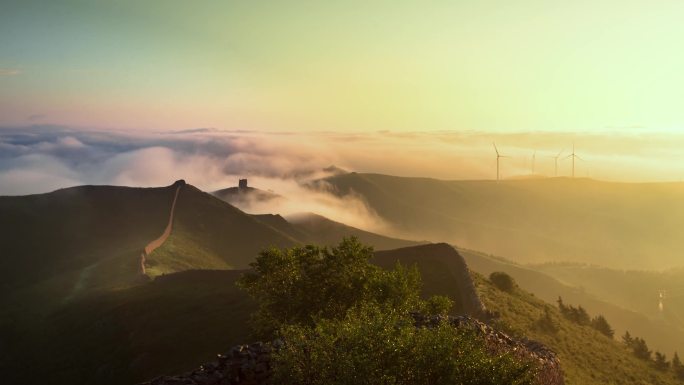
x: 555, y: 159
x: 498, y: 156
x: 573, y: 156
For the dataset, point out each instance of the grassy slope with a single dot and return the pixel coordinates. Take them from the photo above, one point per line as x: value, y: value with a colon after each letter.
x: 587, y: 357
x: 180, y: 320
x: 614, y: 224
x: 636, y: 290
x: 51, y: 235
x: 662, y: 334
x: 211, y: 234
x: 170, y: 325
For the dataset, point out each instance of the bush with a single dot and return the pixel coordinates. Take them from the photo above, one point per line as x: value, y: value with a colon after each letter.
x: 303, y: 284
x: 371, y: 346
x: 502, y: 281
x: 346, y: 321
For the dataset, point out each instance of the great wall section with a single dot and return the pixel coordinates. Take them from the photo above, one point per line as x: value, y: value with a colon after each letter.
x: 155, y: 244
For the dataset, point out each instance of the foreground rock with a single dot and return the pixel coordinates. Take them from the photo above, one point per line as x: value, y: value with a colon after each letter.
x: 251, y: 364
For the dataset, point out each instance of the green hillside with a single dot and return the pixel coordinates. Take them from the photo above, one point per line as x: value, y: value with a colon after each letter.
x: 662, y: 333
x: 624, y: 225
x: 211, y: 234
x: 323, y: 231
x: 171, y: 324
x: 56, y: 245
x: 175, y: 322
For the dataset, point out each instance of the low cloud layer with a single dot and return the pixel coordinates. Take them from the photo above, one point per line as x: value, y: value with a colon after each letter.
x: 38, y: 159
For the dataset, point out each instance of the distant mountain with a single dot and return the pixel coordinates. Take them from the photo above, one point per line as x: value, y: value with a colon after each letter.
x: 625, y: 225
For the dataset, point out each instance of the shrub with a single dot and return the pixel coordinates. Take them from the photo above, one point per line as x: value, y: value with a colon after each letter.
x: 371, y: 346
x: 502, y: 281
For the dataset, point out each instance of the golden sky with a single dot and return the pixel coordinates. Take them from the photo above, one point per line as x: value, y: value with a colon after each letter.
x: 353, y: 66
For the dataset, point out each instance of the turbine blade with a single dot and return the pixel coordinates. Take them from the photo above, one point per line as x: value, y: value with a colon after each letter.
x: 495, y: 149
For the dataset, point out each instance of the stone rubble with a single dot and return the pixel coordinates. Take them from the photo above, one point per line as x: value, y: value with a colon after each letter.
x: 251, y: 364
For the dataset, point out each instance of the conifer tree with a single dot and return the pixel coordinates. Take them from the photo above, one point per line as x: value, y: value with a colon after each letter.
x: 627, y: 339
x: 677, y: 366
x: 601, y: 324
x: 661, y: 361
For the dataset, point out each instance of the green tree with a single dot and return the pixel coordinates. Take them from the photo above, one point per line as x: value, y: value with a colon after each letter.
x: 583, y: 317
x: 303, y: 284
x: 640, y: 349
x: 437, y: 305
x: 627, y: 339
x: 601, y: 324
x: 546, y: 323
x: 502, y: 281
x: 677, y: 366
x: 661, y: 361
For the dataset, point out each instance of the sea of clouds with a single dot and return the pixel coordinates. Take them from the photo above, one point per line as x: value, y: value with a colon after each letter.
x: 37, y: 159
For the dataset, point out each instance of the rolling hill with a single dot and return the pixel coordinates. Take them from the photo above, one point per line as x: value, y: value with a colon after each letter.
x: 621, y: 225
x: 661, y: 333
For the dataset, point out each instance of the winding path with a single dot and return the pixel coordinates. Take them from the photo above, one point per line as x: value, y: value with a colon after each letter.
x: 167, y: 231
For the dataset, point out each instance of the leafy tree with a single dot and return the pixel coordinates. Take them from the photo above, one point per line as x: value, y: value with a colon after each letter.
x: 303, y: 284
x: 677, y: 366
x: 371, y: 346
x: 601, y: 324
x: 437, y: 305
x: 661, y: 361
x: 502, y: 281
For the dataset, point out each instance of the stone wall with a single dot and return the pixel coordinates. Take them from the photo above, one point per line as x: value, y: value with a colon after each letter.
x: 153, y: 245
x: 251, y: 364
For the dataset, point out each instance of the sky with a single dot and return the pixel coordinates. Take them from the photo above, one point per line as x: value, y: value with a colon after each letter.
x: 493, y: 66
x: 134, y: 92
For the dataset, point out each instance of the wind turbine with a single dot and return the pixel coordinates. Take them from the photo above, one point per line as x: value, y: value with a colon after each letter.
x: 497, y: 160
x: 534, y: 158
x: 555, y: 158
x: 573, y: 156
